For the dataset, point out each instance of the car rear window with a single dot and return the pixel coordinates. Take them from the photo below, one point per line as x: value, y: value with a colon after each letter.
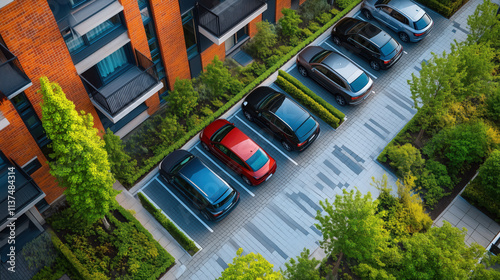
x: 389, y: 47
x: 320, y: 56
x: 360, y: 82
x: 304, y: 129
x: 423, y: 22
x: 221, y: 133
x: 257, y: 160
x: 224, y: 201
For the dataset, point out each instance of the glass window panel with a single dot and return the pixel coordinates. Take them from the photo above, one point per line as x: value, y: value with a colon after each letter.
x: 112, y: 62
x: 103, y: 28
x: 156, y: 57
x: 189, y: 31
x: 73, y: 43
x: 153, y: 46
x: 145, y: 14
x: 150, y: 32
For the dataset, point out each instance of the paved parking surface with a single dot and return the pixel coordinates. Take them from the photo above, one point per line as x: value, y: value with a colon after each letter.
x: 276, y: 219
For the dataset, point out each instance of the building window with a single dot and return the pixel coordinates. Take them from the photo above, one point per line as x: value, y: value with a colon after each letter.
x: 77, y: 43
x: 236, y: 38
x: 31, y: 120
x: 189, y: 34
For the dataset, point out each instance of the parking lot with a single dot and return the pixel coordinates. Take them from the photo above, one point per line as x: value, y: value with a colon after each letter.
x: 276, y: 219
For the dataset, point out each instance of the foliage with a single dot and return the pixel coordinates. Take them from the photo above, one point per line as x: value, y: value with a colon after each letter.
x: 406, y: 159
x: 183, y: 99
x: 302, y: 268
x: 323, y: 18
x: 307, y: 101
x: 350, y: 225
x: 489, y: 175
x: 334, y: 111
x: 60, y: 267
x: 342, y: 4
x: 261, y: 44
x: 39, y: 252
x: 167, y: 131
x: 251, y: 266
x: 447, y: 7
x: 461, y: 145
x: 484, y: 24
x: 178, y: 235
x: 289, y: 23
x: 216, y: 78
x: 122, y: 166
x: 476, y: 195
x: 493, y: 105
x: 80, y: 160
x: 434, y: 179
x: 313, y: 26
x: 312, y: 8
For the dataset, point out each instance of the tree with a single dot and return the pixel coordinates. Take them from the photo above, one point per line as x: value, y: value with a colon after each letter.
x: 484, y: 24
x: 406, y: 159
x: 217, y: 78
x: 489, y: 175
x: 80, y: 159
x: 302, y: 268
x: 249, y: 267
x: 289, y: 23
x: 261, y: 44
x: 313, y: 8
x: 351, y: 226
x: 183, y: 99
x: 122, y: 166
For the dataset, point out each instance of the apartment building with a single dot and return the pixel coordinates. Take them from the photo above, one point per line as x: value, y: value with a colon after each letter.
x: 115, y: 59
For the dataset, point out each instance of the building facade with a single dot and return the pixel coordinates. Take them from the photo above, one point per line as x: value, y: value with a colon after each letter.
x: 114, y: 59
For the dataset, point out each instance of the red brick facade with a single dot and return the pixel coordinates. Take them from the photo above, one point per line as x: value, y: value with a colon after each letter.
x: 252, y: 26
x: 280, y: 4
x: 208, y: 55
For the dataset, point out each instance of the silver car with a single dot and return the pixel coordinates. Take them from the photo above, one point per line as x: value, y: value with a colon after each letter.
x: 348, y: 83
x: 407, y: 19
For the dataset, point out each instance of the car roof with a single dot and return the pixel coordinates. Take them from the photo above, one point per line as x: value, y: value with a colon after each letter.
x: 342, y: 66
x: 211, y: 186
x: 240, y: 144
x: 410, y: 9
x: 376, y: 35
x: 346, y: 24
x: 291, y: 113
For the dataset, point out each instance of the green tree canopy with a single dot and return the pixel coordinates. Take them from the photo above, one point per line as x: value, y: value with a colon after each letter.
x: 217, y: 78
x: 80, y: 159
x: 289, y: 23
x: 183, y: 99
x: 484, y: 24
x: 261, y: 44
x: 351, y: 226
x: 302, y: 268
x: 122, y: 166
x: 249, y: 267
x: 489, y: 174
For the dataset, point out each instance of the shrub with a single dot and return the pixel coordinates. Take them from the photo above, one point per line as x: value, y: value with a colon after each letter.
x: 313, y: 26
x: 493, y: 106
x: 312, y: 8
x: 489, y: 175
x: 122, y: 166
x: 306, y: 32
x: 206, y: 111
x: 313, y: 95
x: 183, y: 99
x: 434, y: 179
x: 261, y: 44
x: 302, y: 268
x: 168, y: 131
x: 178, y: 235
x: 289, y: 23
x: 308, y: 102
x: 446, y: 9
x: 272, y: 60
x: 216, y: 78
x: 342, y: 4
x: 39, y: 252
x: 334, y: 11
x: 323, y: 18
x: 405, y: 159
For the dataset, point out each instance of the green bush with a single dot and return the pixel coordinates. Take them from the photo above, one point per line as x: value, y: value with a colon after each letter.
x: 39, y: 252
x: 478, y: 196
x: 313, y: 8
x: 493, y: 106
x: 178, y: 235
x: 337, y: 113
x: 56, y: 271
x: 289, y: 23
x: 323, y: 18
x: 216, y: 78
x: 206, y: 111
x: 434, y: 180
x: 334, y: 12
x: 261, y: 44
x: 308, y: 102
x: 313, y: 26
x: 447, y: 7
x: 405, y: 159
x: 489, y: 175
x: 342, y: 4
x: 183, y: 99
x: 122, y: 166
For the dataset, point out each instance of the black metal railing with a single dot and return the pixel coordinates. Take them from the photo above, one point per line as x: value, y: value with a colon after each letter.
x: 130, y: 91
x: 219, y: 16
x: 9, y: 63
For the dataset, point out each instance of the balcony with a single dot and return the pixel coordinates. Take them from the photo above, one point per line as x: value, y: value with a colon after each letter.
x: 13, y: 80
x: 126, y: 92
x: 218, y: 20
x: 81, y: 16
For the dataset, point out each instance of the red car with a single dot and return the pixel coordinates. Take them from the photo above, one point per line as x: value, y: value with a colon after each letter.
x: 238, y: 151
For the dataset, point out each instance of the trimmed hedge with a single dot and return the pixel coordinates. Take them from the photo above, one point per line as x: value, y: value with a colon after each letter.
x: 151, y: 162
x: 307, y: 101
x: 334, y: 111
x: 178, y: 235
x: 446, y: 9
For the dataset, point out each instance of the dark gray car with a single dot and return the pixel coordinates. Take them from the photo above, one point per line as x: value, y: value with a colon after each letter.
x: 406, y: 18
x: 346, y: 81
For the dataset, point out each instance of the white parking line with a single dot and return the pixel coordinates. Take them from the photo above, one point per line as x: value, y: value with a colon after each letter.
x: 291, y: 68
x: 269, y: 142
x: 165, y: 214
x: 182, y: 203
x: 140, y: 190
x: 222, y: 169
x: 368, y: 72
x: 405, y: 52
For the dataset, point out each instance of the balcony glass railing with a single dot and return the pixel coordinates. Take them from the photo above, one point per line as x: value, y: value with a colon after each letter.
x: 13, y: 80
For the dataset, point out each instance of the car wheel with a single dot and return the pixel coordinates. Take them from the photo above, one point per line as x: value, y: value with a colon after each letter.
x: 303, y: 71
x: 286, y: 145
x: 205, y: 146
x: 248, y: 116
x: 367, y: 14
x: 404, y: 37
x: 375, y: 65
x: 340, y: 100
x: 246, y: 180
x: 336, y: 40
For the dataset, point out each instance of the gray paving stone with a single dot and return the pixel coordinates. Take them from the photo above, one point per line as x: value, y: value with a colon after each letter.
x: 471, y: 222
x: 473, y: 212
x: 451, y: 218
x: 494, y: 227
x: 479, y: 239
x: 457, y: 211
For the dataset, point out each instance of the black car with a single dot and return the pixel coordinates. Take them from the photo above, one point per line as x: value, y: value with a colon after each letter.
x: 367, y: 41
x: 295, y: 127
x: 211, y: 195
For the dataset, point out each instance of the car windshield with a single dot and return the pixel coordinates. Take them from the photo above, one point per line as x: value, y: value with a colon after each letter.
x: 257, y: 160
x: 389, y: 47
x: 221, y: 133
x: 181, y: 164
x: 319, y: 57
x: 360, y: 82
x: 356, y: 28
x: 423, y: 22
x: 269, y: 100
